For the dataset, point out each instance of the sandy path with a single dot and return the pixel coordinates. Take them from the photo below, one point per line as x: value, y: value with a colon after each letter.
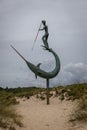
x: 39, y: 116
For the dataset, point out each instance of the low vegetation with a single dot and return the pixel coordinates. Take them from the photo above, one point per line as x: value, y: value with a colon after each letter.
x: 72, y: 92
x: 10, y: 120
x: 80, y: 112
x: 78, y: 93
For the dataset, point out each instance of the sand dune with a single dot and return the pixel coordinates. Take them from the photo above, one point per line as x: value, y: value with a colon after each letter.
x: 39, y: 116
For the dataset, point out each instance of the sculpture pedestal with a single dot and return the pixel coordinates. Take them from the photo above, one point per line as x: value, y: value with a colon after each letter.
x: 47, y: 84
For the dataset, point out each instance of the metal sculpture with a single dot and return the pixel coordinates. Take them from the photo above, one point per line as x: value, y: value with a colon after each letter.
x: 41, y: 73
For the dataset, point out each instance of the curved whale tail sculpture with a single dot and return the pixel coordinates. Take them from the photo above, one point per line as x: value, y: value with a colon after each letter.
x: 36, y: 68
x: 41, y: 73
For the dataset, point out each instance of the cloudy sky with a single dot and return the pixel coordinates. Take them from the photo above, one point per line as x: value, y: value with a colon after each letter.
x: 19, y: 22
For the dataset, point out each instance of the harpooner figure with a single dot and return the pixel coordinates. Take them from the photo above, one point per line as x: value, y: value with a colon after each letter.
x: 45, y: 37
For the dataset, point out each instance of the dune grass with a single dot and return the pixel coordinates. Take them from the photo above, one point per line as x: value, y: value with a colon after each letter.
x: 72, y: 92
x: 9, y: 119
x: 80, y: 111
x: 78, y: 93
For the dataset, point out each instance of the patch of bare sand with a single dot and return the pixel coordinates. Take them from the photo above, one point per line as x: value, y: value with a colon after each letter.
x: 39, y: 116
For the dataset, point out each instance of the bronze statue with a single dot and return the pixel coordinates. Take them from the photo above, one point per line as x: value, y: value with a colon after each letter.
x: 45, y: 37
x: 36, y: 68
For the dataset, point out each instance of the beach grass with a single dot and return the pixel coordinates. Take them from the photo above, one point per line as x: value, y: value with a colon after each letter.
x: 10, y: 120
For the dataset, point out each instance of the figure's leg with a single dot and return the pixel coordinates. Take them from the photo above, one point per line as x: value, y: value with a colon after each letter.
x: 46, y: 38
x: 43, y: 39
x: 47, y: 44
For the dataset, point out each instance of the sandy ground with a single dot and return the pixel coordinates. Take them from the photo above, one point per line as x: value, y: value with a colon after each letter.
x: 39, y: 116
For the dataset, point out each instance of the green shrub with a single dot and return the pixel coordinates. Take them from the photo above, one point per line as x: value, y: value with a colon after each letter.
x: 42, y: 97
x: 61, y: 97
x: 80, y: 112
x: 8, y: 117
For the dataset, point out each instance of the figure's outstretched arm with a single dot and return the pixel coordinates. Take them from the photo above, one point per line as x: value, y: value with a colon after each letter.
x: 41, y: 29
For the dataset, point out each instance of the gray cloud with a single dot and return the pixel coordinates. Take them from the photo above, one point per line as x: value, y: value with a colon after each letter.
x: 19, y: 22
x: 76, y: 72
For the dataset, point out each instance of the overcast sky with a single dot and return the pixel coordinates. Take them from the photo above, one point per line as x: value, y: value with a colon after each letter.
x: 19, y: 23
